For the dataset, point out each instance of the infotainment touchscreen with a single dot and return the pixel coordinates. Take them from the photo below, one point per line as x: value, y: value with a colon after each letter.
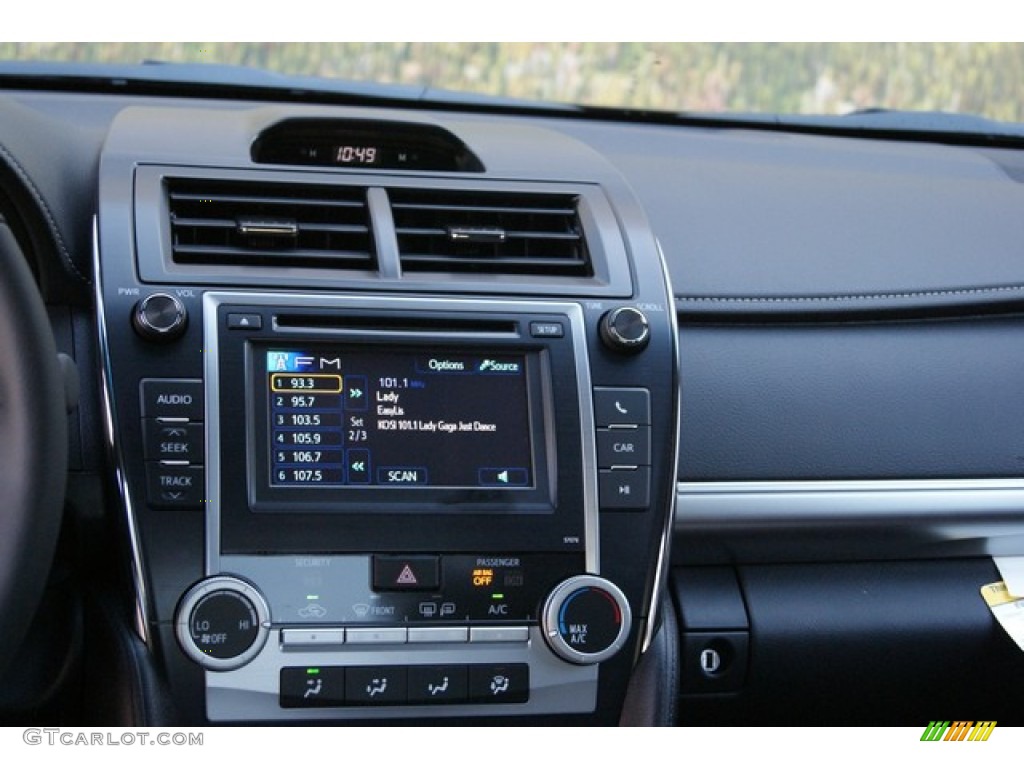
x: 364, y: 432
x: 361, y: 417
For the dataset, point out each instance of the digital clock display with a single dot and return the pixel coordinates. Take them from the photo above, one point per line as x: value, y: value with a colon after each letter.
x: 356, y: 154
x: 364, y: 144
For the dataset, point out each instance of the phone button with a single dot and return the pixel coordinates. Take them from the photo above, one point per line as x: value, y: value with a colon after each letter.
x: 622, y: 406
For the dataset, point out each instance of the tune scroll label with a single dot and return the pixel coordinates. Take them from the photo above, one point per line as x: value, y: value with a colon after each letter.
x: 586, y: 620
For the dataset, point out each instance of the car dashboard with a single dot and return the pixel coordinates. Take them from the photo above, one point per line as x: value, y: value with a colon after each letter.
x: 441, y: 413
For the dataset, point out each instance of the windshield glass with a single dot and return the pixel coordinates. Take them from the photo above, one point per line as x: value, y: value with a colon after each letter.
x: 985, y: 79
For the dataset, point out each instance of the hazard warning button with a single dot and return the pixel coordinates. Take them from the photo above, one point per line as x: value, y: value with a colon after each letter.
x: 393, y: 573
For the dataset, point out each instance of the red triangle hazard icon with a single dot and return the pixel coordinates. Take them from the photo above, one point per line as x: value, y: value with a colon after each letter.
x: 406, y: 576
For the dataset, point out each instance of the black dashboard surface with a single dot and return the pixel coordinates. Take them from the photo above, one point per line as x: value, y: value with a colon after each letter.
x: 849, y: 375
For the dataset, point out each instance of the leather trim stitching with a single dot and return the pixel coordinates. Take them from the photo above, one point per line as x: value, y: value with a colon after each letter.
x: 51, y: 222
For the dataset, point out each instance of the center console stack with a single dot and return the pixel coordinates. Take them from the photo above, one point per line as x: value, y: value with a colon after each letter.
x: 395, y: 489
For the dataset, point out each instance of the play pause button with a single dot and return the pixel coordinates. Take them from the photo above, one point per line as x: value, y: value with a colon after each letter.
x: 392, y: 573
x: 625, y: 489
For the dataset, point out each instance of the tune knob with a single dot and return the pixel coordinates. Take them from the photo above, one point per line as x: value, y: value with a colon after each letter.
x: 625, y: 329
x: 586, y: 619
x: 222, y: 623
x: 159, y: 317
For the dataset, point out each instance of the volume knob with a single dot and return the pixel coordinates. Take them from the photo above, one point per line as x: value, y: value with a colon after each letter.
x: 159, y: 317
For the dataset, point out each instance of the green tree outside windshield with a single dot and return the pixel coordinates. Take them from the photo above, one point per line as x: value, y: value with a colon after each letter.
x: 803, y: 78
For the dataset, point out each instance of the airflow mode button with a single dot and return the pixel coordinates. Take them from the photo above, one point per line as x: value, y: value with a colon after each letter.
x: 303, y: 687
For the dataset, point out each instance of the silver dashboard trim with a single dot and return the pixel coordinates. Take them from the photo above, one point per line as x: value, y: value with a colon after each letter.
x: 828, y: 501
x: 664, y: 546
x: 114, y: 447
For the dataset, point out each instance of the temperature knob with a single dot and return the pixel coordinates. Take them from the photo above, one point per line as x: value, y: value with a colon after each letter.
x: 586, y: 619
x: 222, y: 623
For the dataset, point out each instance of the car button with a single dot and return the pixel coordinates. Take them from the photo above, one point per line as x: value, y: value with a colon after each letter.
x: 623, y: 447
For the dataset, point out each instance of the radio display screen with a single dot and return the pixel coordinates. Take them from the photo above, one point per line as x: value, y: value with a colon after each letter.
x: 355, y: 417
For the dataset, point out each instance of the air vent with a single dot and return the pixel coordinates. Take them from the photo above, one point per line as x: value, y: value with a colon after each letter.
x: 444, y: 230
x: 281, y: 225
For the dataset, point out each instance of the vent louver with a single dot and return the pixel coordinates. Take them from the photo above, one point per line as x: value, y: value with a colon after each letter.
x: 444, y: 230
x: 281, y: 225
